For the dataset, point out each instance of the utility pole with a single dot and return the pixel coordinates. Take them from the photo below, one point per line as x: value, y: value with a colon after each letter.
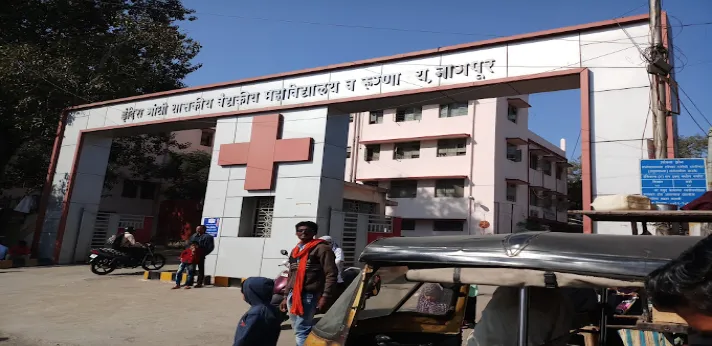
x: 658, y: 57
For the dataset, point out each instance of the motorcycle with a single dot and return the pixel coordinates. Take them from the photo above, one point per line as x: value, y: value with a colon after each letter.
x: 105, y: 260
x: 280, y: 283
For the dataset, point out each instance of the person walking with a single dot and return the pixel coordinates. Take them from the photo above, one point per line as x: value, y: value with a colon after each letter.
x: 206, y: 245
x: 312, y: 280
x: 261, y: 324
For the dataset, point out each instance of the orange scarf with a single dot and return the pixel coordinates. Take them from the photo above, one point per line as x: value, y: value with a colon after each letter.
x: 301, y: 256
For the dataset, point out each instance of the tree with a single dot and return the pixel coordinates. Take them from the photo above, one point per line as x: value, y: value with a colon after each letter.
x: 186, y: 175
x: 141, y: 157
x: 694, y: 146
x: 59, y: 53
x: 574, y: 185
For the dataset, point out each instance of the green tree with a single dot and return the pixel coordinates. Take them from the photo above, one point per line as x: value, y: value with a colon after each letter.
x: 575, y: 187
x: 692, y: 146
x: 182, y: 175
x: 59, y: 53
x: 141, y: 157
x: 186, y: 175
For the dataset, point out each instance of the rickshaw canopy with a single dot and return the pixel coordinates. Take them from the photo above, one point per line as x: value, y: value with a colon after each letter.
x: 523, y: 259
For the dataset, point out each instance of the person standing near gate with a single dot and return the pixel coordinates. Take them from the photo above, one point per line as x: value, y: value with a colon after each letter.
x: 206, y: 245
x: 312, y: 280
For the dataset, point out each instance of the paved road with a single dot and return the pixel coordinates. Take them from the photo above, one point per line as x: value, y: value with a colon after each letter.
x: 70, y: 306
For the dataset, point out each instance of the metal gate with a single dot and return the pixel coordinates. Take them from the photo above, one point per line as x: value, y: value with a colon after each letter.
x: 351, y: 230
x: 107, y: 224
x: 101, y: 230
x: 349, y: 238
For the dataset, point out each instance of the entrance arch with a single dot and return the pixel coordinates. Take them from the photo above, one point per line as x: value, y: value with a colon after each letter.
x: 600, y: 59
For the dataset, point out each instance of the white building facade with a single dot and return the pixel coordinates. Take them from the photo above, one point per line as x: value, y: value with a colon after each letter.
x: 450, y: 167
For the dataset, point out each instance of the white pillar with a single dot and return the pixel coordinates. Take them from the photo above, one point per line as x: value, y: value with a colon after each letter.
x: 302, y: 191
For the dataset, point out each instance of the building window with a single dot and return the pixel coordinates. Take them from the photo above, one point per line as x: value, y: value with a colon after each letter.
x: 206, y: 138
x: 559, y: 172
x: 514, y: 154
x: 403, y: 189
x: 512, y: 193
x: 452, y: 147
x: 448, y: 225
x: 453, y: 110
x: 406, y: 150
x: 348, y: 152
x: 512, y: 113
x: 408, y: 225
x: 148, y: 190
x: 352, y: 206
x: 545, y: 167
x: 256, y: 216
x: 450, y: 188
x: 562, y: 204
x: 130, y: 189
x: 539, y: 199
x: 375, y: 117
x: 533, y: 161
x: 408, y: 114
x: 263, y: 217
x: 373, y: 152
x: 533, y: 198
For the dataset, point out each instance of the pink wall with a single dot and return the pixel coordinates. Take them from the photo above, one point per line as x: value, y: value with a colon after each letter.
x: 485, y: 163
x: 430, y: 125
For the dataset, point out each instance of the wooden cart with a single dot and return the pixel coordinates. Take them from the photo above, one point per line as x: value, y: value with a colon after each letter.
x: 651, y: 321
x: 645, y: 216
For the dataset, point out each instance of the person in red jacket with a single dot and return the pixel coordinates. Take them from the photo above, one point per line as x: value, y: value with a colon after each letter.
x: 188, y: 259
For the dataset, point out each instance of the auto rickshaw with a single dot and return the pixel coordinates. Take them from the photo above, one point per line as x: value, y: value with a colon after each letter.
x: 383, y: 307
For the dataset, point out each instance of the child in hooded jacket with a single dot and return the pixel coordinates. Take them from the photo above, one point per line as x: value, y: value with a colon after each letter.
x: 261, y: 324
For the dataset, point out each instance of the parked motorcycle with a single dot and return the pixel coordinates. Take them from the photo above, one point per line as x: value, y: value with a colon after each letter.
x: 105, y: 260
x: 280, y: 283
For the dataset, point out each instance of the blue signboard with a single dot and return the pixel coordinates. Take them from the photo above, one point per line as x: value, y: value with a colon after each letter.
x: 212, y: 225
x: 673, y: 181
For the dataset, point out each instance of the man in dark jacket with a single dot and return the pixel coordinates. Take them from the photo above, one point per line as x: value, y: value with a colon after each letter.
x: 312, y: 280
x: 206, y: 246
x: 260, y: 325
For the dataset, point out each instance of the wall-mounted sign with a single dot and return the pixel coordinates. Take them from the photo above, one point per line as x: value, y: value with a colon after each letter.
x: 673, y: 181
x: 479, y: 69
x: 212, y: 225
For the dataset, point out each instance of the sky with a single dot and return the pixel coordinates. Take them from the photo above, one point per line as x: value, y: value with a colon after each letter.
x: 250, y: 38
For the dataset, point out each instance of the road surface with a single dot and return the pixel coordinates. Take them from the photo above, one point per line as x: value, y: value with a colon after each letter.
x: 70, y: 306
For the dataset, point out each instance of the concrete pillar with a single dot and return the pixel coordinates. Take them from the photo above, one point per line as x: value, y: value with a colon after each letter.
x: 302, y: 191
x: 76, y: 193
